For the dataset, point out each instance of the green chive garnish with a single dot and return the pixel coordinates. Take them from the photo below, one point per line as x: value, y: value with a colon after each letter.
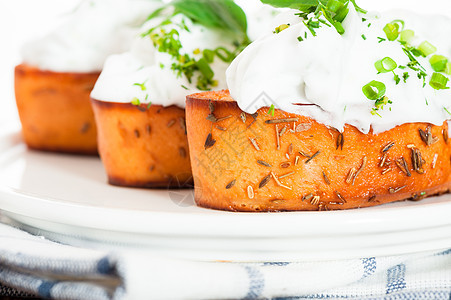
x: 334, y: 5
x: 448, y: 69
x: 392, y: 31
x: 209, y: 55
x: 385, y: 65
x: 438, y: 62
x: 205, y: 68
x: 439, y: 81
x: 407, y: 36
x: 374, y: 90
x: 271, y: 110
x: 135, y: 101
x: 427, y: 48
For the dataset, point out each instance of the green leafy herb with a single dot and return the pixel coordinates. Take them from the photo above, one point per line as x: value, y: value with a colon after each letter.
x: 426, y: 48
x: 281, y: 28
x: 271, y: 110
x: 380, y: 104
x: 396, y: 78
x: 374, y: 90
x: 439, y: 81
x: 142, y: 86
x: 219, y: 14
x: 385, y: 65
x: 414, y: 64
x: 327, y: 12
x: 438, y: 62
x: 405, y: 76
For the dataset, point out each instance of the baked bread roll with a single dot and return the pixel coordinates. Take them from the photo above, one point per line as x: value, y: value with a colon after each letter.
x: 143, y: 146
x: 55, y: 109
x: 288, y: 162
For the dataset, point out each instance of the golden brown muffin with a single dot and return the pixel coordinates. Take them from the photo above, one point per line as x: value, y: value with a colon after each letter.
x: 143, y: 146
x: 55, y: 110
x: 289, y: 162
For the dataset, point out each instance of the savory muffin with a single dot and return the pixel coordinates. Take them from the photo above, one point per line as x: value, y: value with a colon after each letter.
x: 289, y: 162
x: 343, y: 116
x: 139, y: 99
x: 58, y: 72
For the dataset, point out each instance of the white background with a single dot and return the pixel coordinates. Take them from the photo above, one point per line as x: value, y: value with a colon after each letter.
x: 22, y: 20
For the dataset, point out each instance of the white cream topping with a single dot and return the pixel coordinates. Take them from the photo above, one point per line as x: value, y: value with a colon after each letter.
x: 95, y: 30
x: 125, y: 75
x: 326, y: 73
x: 122, y: 75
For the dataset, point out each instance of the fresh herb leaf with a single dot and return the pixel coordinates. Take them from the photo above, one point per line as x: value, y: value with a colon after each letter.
x: 136, y: 101
x: 281, y: 28
x: 327, y: 12
x: 166, y: 38
x: 271, y: 110
x: 405, y: 76
x: 219, y: 14
x: 141, y: 85
x: 397, y: 78
x: 303, y: 5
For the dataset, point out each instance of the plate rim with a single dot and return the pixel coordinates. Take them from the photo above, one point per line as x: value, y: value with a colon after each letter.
x: 295, y: 224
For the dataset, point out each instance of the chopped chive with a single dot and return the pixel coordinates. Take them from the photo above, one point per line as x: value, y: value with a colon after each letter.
x: 405, y: 76
x: 438, y: 62
x: 448, y: 69
x: 407, y: 36
x: 391, y: 31
x: 271, y: 110
x: 374, y: 90
x: 141, y: 85
x: 397, y: 78
x: 439, y: 81
x: 281, y: 28
x: 427, y: 48
x: 385, y: 65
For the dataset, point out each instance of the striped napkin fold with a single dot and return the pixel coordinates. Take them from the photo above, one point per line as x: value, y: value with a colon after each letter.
x: 32, y: 265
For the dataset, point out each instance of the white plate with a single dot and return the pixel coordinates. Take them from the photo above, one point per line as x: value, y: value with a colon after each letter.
x: 66, y: 198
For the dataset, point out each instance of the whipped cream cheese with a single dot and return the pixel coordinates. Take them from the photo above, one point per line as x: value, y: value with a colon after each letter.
x: 144, y: 73
x: 95, y: 30
x: 322, y: 77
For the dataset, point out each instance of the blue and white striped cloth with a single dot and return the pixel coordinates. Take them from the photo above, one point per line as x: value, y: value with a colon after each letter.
x: 36, y: 266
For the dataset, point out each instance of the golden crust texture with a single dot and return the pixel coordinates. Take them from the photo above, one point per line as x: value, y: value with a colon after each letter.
x: 143, y: 147
x: 288, y: 162
x: 55, y: 110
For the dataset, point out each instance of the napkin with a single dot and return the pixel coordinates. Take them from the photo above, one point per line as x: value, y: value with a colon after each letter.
x: 33, y: 265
